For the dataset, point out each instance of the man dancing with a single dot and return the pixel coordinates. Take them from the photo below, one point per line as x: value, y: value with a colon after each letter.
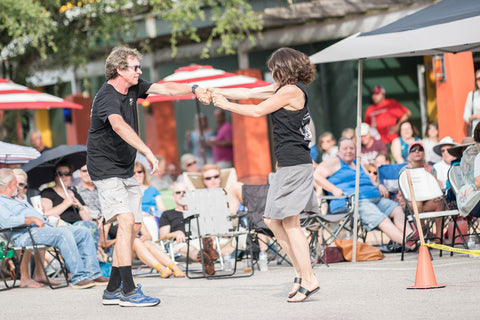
x: 112, y: 146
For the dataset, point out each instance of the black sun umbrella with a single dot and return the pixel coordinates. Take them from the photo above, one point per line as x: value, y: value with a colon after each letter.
x: 40, y: 170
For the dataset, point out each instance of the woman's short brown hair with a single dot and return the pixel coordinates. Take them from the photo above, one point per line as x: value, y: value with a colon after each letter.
x: 118, y: 59
x: 289, y: 66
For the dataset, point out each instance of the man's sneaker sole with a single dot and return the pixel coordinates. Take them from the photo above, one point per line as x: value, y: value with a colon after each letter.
x: 110, y: 302
x: 133, y: 304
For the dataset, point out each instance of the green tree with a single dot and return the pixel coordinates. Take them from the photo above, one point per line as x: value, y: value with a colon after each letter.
x: 58, y: 33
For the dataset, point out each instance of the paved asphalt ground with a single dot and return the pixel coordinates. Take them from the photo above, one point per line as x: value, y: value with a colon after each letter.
x: 363, y: 290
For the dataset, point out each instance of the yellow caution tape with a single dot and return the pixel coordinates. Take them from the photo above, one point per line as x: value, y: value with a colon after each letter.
x: 448, y: 248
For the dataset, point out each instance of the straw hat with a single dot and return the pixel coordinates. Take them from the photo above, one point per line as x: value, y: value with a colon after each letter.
x: 457, y: 151
x: 447, y: 141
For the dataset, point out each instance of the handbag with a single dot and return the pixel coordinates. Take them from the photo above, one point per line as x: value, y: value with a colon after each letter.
x: 331, y: 255
x: 365, y: 252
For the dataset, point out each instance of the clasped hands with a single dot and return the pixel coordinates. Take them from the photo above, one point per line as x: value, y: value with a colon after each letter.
x: 207, y: 95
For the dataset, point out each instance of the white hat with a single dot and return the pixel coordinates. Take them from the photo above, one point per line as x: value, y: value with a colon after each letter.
x: 447, y: 141
x: 364, y: 129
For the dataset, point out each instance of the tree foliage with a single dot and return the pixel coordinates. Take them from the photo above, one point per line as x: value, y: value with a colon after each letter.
x: 66, y: 33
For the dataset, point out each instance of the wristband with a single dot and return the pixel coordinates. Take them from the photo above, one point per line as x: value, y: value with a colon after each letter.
x: 195, y: 86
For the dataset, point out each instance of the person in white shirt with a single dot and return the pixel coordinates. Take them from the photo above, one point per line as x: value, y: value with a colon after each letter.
x: 440, y: 169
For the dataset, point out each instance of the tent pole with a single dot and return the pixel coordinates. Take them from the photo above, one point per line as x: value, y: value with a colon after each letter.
x: 357, y: 167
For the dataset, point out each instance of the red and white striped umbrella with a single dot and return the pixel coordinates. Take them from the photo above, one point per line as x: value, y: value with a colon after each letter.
x: 15, y: 96
x: 206, y: 76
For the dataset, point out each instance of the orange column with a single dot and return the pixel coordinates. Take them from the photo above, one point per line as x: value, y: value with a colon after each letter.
x: 452, y: 93
x: 78, y: 133
x: 160, y: 129
x: 251, y: 147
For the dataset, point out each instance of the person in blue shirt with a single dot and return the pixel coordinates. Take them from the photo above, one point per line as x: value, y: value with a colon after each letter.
x: 337, y: 176
x: 74, y: 243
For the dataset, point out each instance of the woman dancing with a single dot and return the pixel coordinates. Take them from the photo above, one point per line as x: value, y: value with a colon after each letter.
x: 291, y: 190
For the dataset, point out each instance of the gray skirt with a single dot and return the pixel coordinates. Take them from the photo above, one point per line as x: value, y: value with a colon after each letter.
x: 291, y: 192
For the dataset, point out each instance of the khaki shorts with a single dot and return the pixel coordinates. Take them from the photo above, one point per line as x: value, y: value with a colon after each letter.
x: 118, y: 196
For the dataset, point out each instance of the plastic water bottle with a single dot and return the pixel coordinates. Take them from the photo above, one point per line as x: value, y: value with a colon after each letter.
x: 471, y: 245
x: 228, y: 262
x: 263, y: 261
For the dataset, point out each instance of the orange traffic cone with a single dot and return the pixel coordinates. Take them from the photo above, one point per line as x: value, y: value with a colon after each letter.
x: 425, y: 277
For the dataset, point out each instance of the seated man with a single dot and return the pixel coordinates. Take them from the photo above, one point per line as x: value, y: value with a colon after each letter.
x: 172, y: 226
x: 337, y: 176
x: 75, y: 243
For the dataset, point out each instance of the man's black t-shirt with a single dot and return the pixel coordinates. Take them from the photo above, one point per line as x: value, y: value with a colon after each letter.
x: 108, y: 155
x: 174, y: 219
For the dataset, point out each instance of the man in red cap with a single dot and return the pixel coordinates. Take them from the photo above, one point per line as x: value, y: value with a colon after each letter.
x: 385, y: 114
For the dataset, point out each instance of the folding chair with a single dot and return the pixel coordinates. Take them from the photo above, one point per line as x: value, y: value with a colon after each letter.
x: 425, y: 187
x: 455, y: 180
x: 254, y: 200
x: 8, y: 247
x: 207, y: 215
x: 327, y: 227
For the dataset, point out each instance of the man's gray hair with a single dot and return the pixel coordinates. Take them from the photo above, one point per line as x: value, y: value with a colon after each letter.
x: 6, y: 176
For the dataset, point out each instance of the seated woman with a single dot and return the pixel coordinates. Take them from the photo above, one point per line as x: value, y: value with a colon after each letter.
x: 65, y: 203
x: 148, y: 252
x: 152, y: 203
x: 407, y: 134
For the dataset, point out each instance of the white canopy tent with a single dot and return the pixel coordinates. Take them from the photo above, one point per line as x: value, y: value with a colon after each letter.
x: 448, y: 26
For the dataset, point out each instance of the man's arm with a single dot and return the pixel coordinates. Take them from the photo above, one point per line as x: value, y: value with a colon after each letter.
x: 178, y: 89
x: 404, y: 117
x: 130, y: 136
x: 39, y: 222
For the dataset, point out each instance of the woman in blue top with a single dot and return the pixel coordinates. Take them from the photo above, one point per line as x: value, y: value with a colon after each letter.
x: 152, y: 203
x: 407, y: 134
x: 291, y: 189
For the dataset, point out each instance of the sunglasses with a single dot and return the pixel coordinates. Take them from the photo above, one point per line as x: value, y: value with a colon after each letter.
x: 64, y: 174
x: 373, y: 172
x: 190, y: 164
x: 415, y: 149
x: 478, y: 79
x: 139, y: 172
x: 22, y: 185
x: 212, y: 177
x: 180, y: 192
x: 135, y: 68
x: 83, y: 170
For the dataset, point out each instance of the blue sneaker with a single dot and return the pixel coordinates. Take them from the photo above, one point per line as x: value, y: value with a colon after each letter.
x: 111, y: 298
x: 137, y: 299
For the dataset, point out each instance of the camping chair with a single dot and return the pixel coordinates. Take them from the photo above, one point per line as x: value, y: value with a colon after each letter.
x: 8, y: 248
x: 324, y: 229
x: 193, y: 180
x: 455, y: 180
x: 254, y: 200
x: 207, y: 215
x: 425, y: 187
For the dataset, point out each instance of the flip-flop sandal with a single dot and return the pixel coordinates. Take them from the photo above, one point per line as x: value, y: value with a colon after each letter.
x: 32, y: 284
x: 52, y: 282
x: 295, y: 280
x: 306, y: 293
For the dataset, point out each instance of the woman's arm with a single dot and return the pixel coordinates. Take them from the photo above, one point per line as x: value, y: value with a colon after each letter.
x: 289, y: 97
x: 397, y: 151
x: 50, y: 210
x: 468, y: 115
x: 244, y: 93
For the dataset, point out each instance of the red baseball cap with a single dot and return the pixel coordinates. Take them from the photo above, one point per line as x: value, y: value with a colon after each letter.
x: 416, y: 143
x: 378, y: 89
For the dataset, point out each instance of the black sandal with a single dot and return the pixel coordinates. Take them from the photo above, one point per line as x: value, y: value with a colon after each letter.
x: 306, y: 293
x: 295, y: 280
